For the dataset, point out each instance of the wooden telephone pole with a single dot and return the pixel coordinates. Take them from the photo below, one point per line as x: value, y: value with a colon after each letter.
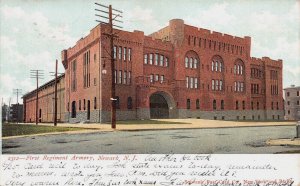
x: 116, y: 13
x: 55, y: 93
x: 17, y: 92
x: 36, y: 74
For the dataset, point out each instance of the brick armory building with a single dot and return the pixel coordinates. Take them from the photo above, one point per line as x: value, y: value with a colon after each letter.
x: 45, y: 102
x: 180, y: 71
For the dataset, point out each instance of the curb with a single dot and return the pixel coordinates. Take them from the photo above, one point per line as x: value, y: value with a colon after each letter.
x: 57, y: 133
x: 149, y: 129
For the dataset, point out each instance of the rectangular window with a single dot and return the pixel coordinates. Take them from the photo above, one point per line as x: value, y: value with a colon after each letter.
x: 298, y: 92
x: 115, y: 76
x: 195, y: 63
x: 145, y: 58
x: 115, y: 52
x: 162, y: 77
x: 156, y: 77
x: 288, y: 94
x: 213, y: 84
x: 120, y: 77
x: 129, y: 54
x: 187, y: 81
x: 191, y: 82
x: 235, y: 86
x: 242, y: 86
x: 86, y: 69
x: 129, y: 77
x: 196, y: 82
x: 125, y: 54
x: 191, y: 62
x: 166, y: 61
x: 221, y: 85
x: 125, y: 78
x: 238, y: 86
x: 120, y: 52
x: 73, y: 77
x: 151, y: 78
x: 186, y: 62
x: 161, y: 62
x: 217, y: 84
x: 156, y: 59
x: 151, y: 59
x: 234, y: 70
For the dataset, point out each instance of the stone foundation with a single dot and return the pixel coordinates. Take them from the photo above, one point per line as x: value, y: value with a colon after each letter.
x: 144, y: 113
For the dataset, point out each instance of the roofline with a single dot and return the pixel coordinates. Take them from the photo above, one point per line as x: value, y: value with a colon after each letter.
x: 44, y: 85
x: 298, y: 87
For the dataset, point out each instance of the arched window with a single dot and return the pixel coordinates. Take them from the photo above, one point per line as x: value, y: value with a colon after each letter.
x: 73, y: 114
x: 95, y: 103
x: 257, y: 104
x: 234, y: 70
x: 243, y: 105
x: 129, y: 103
x: 117, y: 102
x: 237, y: 105
x: 197, y: 104
x: 222, y: 104
x: 239, y: 67
x: 188, y: 104
x: 217, y: 85
x: 217, y: 63
x: 214, y: 104
x: 186, y: 62
x: 191, y: 60
x: 213, y: 84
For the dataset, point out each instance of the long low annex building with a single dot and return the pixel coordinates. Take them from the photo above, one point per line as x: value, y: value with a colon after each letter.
x: 45, y: 102
x: 180, y: 71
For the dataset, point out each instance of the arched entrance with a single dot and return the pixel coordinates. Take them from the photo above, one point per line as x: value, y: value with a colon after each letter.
x: 158, y: 106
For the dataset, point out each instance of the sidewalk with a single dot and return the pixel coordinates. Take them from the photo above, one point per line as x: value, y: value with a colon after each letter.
x: 186, y: 124
x: 284, y: 142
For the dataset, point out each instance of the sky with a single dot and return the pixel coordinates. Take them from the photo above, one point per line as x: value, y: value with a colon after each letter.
x: 34, y: 32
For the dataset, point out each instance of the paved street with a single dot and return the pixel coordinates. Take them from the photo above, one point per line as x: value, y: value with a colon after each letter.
x: 218, y: 140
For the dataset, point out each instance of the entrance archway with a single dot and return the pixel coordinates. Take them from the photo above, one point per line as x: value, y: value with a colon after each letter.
x: 159, y: 107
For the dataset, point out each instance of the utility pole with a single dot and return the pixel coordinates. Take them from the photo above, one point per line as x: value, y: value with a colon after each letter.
x: 37, y: 74
x: 111, y: 35
x: 8, y: 116
x: 55, y: 94
x: 17, y: 92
